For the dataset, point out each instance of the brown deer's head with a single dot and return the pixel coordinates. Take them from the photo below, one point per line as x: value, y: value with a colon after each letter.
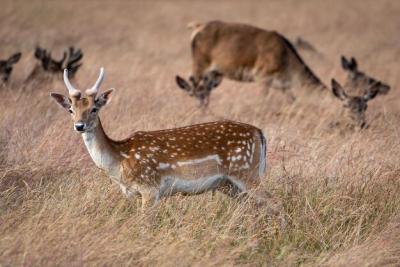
x: 6, y: 67
x: 200, y: 89
x: 70, y: 60
x: 358, y: 79
x: 84, y: 109
x: 355, y: 105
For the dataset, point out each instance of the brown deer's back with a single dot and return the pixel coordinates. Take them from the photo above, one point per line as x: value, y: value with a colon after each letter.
x: 243, y: 52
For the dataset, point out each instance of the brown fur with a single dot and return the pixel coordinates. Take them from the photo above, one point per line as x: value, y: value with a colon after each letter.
x: 189, y: 143
x: 246, y: 53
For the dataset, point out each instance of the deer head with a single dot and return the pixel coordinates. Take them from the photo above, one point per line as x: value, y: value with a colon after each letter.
x: 84, y: 110
x: 6, y: 66
x: 200, y: 89
x: 356, y: 105
x: 70, y: 60
x: 357, y: 78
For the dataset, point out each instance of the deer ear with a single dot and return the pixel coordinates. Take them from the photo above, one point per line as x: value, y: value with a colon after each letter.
x: 39, y: 53
x: 350, y: 65
x: 104, y: 98
x: 214, y: 81
x: 14, y: 59
x: 354, y: 63
x: 372, y: 91
x: 345, y: 63
x: 182, y: 83
x: 62, y: 100
x: 338, y: 90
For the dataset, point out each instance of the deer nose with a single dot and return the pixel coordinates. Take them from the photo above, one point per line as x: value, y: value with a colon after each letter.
x: 79, y: 126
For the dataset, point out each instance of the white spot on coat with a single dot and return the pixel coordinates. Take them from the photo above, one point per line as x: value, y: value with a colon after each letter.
x: 124, y: 155
x: 197, y: 161
x: 163, y: 166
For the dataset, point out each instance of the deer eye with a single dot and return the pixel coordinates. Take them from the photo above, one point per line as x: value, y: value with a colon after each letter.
x: 94, y: 110
x: 70, y: 111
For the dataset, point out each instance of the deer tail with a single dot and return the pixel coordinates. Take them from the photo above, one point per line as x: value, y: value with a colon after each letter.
x: 194, y: 25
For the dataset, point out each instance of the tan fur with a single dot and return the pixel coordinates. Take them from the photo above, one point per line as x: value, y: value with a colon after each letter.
x: 246, y: 53
x: 195, y: 27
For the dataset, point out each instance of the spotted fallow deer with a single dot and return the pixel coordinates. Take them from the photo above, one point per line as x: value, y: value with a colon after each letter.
x: 243, y: 53
x: 226, y: 156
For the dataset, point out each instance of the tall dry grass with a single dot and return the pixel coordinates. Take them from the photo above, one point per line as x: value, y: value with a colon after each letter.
x: 339, y: 188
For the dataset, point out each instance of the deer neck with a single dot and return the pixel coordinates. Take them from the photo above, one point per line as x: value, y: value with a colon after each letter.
x: 102, y: 151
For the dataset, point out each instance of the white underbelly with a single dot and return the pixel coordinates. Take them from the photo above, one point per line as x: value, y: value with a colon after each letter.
x: 171, y: 185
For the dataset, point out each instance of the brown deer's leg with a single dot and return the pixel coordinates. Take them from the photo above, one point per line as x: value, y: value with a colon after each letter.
x: 213, y: 192
x: 230, y: 188
x: 149, y: 198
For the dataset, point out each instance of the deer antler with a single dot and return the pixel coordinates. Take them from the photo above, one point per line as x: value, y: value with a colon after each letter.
x: 48, y: 63
x: 63, y: 58
x: 70, y: 60
x: 73, y: 64
x: 72, y: 91
x: 93, y: 91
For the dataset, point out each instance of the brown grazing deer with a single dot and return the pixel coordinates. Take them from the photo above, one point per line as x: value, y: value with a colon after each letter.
x: 6, y: 67
x: 356, y: 106
x: 54, y: 68
x: 225, y: 155
x: 243, y: 53
x: 358, y: 81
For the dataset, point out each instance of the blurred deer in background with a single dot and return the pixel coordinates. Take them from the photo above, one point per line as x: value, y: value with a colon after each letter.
x: 356, y: 106
x: 226, y: 156
x: 358, y: 81
x: 243, y: 53
x: 54, y: 68
x: 6, y: 67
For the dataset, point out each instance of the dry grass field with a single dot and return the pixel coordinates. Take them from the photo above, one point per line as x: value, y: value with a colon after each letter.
x: 340, y: 188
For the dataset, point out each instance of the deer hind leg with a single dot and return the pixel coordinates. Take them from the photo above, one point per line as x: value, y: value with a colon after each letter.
x: 149, y: 198
x: 213, y: 192
x: 232, y: 187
